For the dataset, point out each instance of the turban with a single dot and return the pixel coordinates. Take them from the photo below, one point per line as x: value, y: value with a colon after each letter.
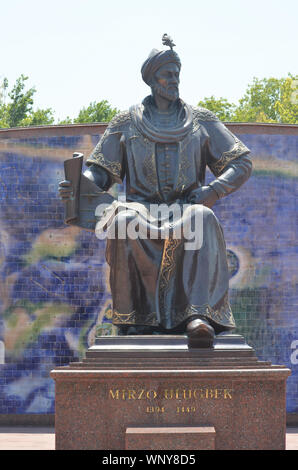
x: 155, y: 60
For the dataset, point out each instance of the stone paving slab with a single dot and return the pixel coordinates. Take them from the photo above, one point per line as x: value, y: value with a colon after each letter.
x: 292, y: 439
x: 31, y: 438
x: 27, y: 438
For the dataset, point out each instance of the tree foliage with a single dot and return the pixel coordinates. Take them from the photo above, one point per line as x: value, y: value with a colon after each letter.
x: 265, y: 100
x: 287, y: 107
x: 21, y: 102
x: 269, y: 100
x: 19, y: 111
x: 96, y: 112
x: 66, y: 120
x: 221, y: 107
x: 42, y: 117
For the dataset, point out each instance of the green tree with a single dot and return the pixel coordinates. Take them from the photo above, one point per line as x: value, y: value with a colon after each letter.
x: 3, y: 88
x: 3, y: 116
x: 3, y: 108
x: 67, y: 120
x: 21, y: 103
x: 265, y: 100
x: 96, y: 112
x: 42, y: 117
x: 19, y: 110
x: 287, y: 106
x: 269, y: 100
x: 220, y: 107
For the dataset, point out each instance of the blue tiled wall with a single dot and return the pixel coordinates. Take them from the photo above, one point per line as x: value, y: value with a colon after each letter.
x: 54, y: 294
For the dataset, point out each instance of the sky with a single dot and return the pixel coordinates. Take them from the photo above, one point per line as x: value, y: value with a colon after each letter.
x: 79, y: 51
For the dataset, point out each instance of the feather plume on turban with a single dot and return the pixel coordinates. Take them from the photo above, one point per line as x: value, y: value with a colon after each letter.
x: 155, y: 60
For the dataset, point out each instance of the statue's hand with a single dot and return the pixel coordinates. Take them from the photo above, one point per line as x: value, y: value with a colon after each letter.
x: 204, y: 195
x: 65, y: 190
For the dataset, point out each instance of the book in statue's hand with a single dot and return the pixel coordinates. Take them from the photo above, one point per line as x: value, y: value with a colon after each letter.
x: 87, y: 196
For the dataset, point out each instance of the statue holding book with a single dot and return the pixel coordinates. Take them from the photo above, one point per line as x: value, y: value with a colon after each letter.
x: 161, y: 284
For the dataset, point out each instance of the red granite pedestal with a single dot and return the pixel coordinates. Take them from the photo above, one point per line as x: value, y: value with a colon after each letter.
x: 155, y: 393
x: 179, y: 438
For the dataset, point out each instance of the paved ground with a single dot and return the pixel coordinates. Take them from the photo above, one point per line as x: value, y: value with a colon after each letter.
x: 29, y: 438
x: 292, y: 439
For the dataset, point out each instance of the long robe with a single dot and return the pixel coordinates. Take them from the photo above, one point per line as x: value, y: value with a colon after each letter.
x: 157, y: 283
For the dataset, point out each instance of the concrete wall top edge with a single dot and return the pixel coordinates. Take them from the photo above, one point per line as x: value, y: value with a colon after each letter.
x: 99, y: 128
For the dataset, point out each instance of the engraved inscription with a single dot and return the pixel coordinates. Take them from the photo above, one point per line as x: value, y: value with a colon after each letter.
x: 155, y: 409
x: 185, y: 409
x: 172, y: 394
x: 127, y: 394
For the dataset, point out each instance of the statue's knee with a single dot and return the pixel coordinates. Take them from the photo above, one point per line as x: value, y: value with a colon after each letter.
x: 198, y: 210
x: 208, y: 214
x: 120, y: 228
x: 123, y: 218
x: 202, y: 216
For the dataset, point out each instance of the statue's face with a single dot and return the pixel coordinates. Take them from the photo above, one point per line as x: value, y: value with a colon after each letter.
x: 166, y: 81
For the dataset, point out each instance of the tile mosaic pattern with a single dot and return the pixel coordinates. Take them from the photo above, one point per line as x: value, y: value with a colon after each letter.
x: 54, y: 293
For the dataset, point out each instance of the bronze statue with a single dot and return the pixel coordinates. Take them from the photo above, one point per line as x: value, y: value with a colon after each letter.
x: 162, y: 146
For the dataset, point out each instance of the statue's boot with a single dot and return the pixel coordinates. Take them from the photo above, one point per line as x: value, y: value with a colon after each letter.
x: 200, y: 334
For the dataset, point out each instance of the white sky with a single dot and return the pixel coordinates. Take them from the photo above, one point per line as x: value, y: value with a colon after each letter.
x: 78, y: 51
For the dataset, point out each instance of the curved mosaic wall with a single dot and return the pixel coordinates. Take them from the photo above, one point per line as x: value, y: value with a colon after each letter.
x: 54, y: 294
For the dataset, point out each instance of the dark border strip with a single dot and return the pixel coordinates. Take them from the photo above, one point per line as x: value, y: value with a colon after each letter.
x: 27, y: 420
x: 99, y: 128
x: 49, y: 420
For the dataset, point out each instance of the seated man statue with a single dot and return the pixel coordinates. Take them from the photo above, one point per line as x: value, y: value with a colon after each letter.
x: 162, y: 146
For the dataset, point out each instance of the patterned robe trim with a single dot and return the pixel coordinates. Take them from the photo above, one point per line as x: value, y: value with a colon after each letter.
x: 168, y: 261
x: 238, y: 150
x: 98, y: 157
x: 203, y: 114
x: 150, y: 170
x: 167, y: 268
x: 112, y: 167
x: 222, y: 315
x: 184, y: 165
x: 133, y: 318
x: 119, y: 119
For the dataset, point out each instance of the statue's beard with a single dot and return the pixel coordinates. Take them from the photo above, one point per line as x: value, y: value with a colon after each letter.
x: 171, y: 92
